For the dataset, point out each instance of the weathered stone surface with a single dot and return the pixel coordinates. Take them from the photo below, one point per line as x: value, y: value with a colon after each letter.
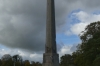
x: 50, y: 57
x: 50, y: 27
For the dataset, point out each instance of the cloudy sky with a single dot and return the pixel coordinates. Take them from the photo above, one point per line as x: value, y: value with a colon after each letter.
x: 23, y: 24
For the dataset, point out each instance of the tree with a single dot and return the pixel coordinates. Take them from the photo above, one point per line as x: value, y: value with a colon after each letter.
x: 9, y: 62
x: 96, y: 62
x: 27, y: 63
x: 17, y: 63
x: 89, y: 50
x: 0, y: 62
x: 66, y: 60
x: 17, y: 60
x: 6, y: 57
x: 6, y: 60
x: 33, y: 63
x: 36, y: 64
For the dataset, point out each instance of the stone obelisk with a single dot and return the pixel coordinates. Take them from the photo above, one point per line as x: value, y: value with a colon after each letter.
x: 50, y: 57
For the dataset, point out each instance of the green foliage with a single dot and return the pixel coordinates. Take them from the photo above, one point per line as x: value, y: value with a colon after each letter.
x: 16, y: 60
x: 17, y: 63
x: 88, y: 52
x: 96, y: 62
x: 7, y: 63
x: 36, y: 64
x: 27, y: 63
x: 66, y: 60
x: 0, y: 62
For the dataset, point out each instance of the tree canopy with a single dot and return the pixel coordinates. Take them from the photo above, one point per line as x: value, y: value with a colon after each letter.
x: 88, y: 51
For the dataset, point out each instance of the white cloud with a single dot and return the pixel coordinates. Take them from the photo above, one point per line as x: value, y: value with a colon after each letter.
x: 85, y: 19
x: 25, y: 55
x: 66, y: 49
x: 77, y: 28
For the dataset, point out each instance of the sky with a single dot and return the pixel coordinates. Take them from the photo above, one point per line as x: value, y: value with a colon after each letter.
x: 23, y: 25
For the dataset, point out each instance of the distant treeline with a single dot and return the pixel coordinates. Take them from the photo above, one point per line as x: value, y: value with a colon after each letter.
x: 87, y: 53
x: 16, y: 60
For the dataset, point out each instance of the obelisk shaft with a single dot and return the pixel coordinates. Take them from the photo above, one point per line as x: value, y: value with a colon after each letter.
x: 50, y: 57
x: 50, y: 28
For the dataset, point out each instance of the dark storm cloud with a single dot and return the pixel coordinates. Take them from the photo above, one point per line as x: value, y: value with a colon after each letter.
x: 22, y: 22
x: 91, y: 3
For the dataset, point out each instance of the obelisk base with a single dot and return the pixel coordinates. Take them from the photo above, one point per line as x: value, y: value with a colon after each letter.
x: 50, y: 59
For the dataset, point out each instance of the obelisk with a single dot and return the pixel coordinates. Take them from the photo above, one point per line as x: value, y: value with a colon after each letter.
x: 50, y: 57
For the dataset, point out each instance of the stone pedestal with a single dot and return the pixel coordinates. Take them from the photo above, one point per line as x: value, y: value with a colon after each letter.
x: 50, y: 59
